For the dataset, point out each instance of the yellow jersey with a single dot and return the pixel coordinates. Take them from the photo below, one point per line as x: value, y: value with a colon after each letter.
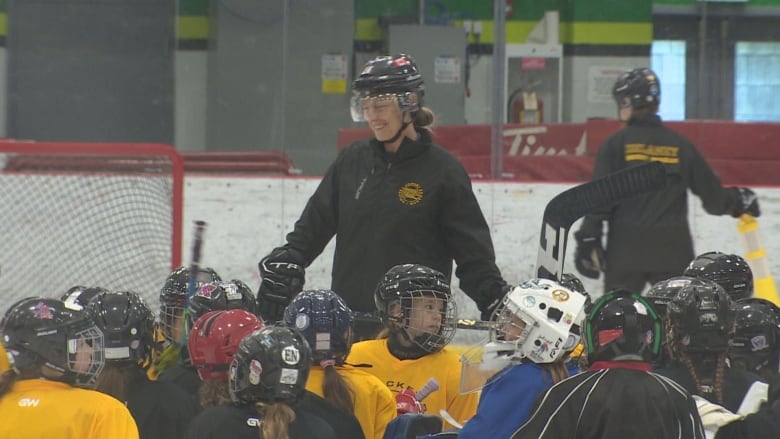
x: 397, y: 375
x: 44, y: 409
x: 4, y: 364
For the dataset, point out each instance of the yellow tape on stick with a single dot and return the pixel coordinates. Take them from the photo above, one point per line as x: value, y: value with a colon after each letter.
x: 763, y: 283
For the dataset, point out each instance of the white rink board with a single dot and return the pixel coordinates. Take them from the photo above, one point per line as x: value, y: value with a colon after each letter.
x: 248, y: 217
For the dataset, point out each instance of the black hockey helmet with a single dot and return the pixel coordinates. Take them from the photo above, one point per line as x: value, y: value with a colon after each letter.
x: 397, y: 293
x: 127, y: 323
x: 396, y: 75
x: 173, y: 295
x: 702, y: 318
x: 732, y: 272
x: 77, y: 297
x: 271, y: 365
x: 220, y: 295
x: 756, y: 342
x: 38, y: 332
x: 661, y: 293
x: 324, y: 318
x: 623, y: 326
x: 637, y: 88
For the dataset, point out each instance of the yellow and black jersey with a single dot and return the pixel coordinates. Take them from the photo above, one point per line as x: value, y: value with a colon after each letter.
x: 397, y: 375
x: 374, y: 402
x: 43, y: 409
x: 4, y: 364
x: 650, y: 233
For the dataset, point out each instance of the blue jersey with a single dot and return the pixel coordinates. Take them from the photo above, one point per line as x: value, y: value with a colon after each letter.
x: 506, y: 401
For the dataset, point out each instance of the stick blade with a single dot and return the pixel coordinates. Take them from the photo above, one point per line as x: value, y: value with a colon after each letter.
x: 594, y: 196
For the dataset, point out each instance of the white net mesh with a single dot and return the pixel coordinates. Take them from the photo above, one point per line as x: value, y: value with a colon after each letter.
x: 94, y: 219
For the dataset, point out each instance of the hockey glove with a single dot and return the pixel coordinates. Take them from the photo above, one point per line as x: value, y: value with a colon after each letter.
x: 747, y: 203
x: 489, y: 310
x: 282, y: 275
x: 589, y: 256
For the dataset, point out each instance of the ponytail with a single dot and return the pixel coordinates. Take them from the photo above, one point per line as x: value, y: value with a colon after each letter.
x: 213, y: 393
x: 423, y: 118
x: 336, y: 389
x: 275, y: 418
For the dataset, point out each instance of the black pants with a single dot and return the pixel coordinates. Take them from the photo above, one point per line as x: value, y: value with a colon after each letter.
x: 634, y: 281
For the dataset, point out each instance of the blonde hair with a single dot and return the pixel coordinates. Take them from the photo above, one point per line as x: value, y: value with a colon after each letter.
x: 336, y: 390
x: 274, y: 420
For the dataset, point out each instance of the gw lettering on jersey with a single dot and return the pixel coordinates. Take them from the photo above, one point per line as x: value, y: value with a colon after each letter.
x: 410, y: 193
x: 29, y: 402
x: 253, y: 422
x: 639, y: 152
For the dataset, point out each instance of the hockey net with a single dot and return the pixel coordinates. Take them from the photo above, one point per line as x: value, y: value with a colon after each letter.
x: 92, y: 214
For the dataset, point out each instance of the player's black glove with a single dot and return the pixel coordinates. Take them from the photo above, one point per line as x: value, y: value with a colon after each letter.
x: 488, y: 311
x: 747, y: 202
x: 589, y: 256
x: 282, y: 275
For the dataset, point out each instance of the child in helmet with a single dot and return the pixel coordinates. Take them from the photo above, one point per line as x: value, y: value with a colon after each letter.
x: 212, y: 344
x: 618, y: 397
x: 326, y: 321
x: 730, y: 271
x: 53, y: 350
x: 733, y: 402
x: 756, y: 343
x: 267, y: 377
x: 537, y: 324
x: 416, y: 305
x: 127, y: 324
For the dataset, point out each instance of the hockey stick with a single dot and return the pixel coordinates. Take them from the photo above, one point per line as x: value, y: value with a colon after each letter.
x: 479, y: 325
x: 572, y: 204
x: 192, y: 280
x: 755, y: 253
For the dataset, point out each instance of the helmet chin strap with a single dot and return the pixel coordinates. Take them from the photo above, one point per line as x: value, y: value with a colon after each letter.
x: 401, y: 130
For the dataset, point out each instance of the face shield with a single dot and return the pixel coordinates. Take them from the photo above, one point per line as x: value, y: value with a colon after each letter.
x: 364, y: 104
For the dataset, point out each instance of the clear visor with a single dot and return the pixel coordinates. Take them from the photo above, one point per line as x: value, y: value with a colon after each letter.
x: 362, y: 106
x: 481, y: 361
x: 86, y: 356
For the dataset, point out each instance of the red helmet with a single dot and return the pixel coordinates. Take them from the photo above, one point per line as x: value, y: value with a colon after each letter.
x: 214, y: 339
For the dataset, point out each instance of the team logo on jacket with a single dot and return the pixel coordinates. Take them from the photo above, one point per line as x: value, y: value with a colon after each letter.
x: 411, y: 193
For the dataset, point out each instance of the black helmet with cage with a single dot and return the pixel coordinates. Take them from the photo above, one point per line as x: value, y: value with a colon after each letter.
x: 623, y: 326
x: 173, y: 297
x: 637, y: 88
x: 701, y: 318
x: 272, y: 365
x: 127, y: 324
x: 402, y: 290
x: 41, y: 333
x: 730, y: 271
x: 394, y: 76
x: 662, y: 292
x: 756, y: 342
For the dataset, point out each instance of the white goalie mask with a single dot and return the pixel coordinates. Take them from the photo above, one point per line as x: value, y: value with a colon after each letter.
x: 538, y: 320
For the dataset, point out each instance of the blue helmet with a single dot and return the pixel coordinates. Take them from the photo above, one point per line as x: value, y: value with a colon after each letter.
x: 325, y: 320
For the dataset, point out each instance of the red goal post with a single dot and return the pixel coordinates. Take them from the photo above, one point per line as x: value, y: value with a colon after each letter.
x: 92, y: 214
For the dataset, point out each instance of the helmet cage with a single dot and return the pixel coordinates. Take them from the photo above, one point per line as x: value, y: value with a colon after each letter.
x: 410, y: 319
x: 173, y: 298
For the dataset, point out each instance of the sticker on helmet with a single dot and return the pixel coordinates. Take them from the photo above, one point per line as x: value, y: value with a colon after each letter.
x: 301, y: 321
x: 560, y: 295
x: 322, y: 341
x: 640, y: 308
x: 758, y: 343
x: 289, y: 376
x: 255, y: 371
x: 291, y: 355
x: 529, y: 301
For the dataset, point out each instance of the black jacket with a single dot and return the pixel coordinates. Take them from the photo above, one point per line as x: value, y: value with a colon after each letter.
x: 650, y: 233
x: 614, y: 404
x: 234, y: 422
x: 161, y: 409
x: 414, y: 206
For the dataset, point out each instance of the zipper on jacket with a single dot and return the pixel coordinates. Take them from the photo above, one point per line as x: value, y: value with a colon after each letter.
x: 360, y: 187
